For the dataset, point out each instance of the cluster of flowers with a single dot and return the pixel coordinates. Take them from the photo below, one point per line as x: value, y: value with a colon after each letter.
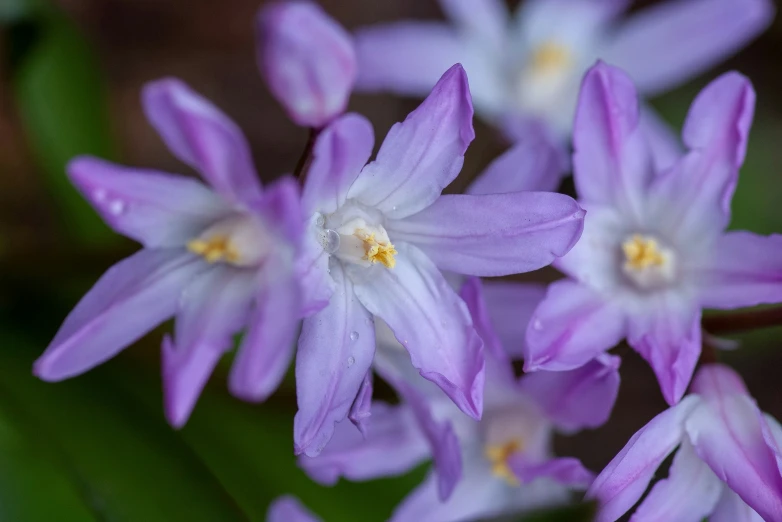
x: 382, y: 270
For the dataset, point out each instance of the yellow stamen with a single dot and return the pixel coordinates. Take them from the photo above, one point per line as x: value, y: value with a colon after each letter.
x: 642, y: 252
x: 377, y: 252
x: 550, y: 57
x: 498, y: 455
x: 217, y: 248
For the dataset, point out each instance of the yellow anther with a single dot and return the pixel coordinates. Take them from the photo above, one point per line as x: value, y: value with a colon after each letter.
x: 550, y: 57
x: 378, y: 252
x: 215, y: 249
x: 642, y: 252
x: 498, y: 455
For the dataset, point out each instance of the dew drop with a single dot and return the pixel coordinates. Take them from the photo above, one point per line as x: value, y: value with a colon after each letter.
x: 320, y: 220
x: 116, y: 207
x: 368, y: 321
x: 354, y: 336
x: 351, y: 361
x: 329, y: 240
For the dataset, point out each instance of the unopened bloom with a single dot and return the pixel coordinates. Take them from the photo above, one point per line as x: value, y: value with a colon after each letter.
x: 218, y: 259
x: 529, y: 65
x: 307, y: 59
x: 503, y: 464
x: 728, y: 467
x: 289, y: 509
x: 654, y: 250
x: 377, y: 236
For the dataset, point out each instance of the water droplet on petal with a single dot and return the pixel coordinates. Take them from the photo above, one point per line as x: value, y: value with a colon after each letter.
x: 354, y: 336
x: 368, y: 321
x: 330, y: 241
x: 537, y: 325
x: 116, y: 207
x: 320, y: 220
x: 351, y: 361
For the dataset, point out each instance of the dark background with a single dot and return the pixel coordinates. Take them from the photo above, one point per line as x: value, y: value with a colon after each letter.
x: 96, y: 447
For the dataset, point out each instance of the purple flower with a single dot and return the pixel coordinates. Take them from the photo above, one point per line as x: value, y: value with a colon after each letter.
x: 307, y: 59
x: 530, y: 64
x: 218, y: 259
x: 500, y: 465
x: 289, y: 509
x: 728, y: 466
x: 654, y: 250
x: 377, y: 236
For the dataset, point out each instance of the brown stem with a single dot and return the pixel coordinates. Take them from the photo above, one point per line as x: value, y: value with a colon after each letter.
x: 302, y: 167
x: 743, y: 321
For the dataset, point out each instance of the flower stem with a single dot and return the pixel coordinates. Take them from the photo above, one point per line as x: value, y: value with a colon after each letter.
x: 302, y: 167
x: 743, y: 321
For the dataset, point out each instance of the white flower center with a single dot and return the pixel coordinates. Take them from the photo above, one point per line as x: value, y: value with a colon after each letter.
x: 647, y: 263
x: 498, y: 456
x: 355, y: 235
x: 543, y: 83
x: 239, y: 240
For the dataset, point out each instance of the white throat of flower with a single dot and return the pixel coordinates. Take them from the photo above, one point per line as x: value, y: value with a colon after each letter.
x: 498, y: 456
x: 353, y: 236
x: 647, y: 263
x: 544, y: 79
x: 239, y: 240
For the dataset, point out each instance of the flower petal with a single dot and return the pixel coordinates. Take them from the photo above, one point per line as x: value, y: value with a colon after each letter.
x: 693, y: 197
x: 423, y: 154
x: 312, y: 265
x: 431, y: 322
x: 669, y: 338
x: 336, y: 348
x: 772, y: 433
x: 494, y: 235
x: 308, y: 60
x: 532, y: 164
x: 612, y: 163
x: 486, y: 20
x: 200, y: 135
x: 130, y: 299
x: 341, y: 151
x: 289, y: 509
x: 267, y: 348
x: 406, y: 57
x: 567, y: 470
x: 663, y: 141
x: 689, y: 493
x: 510, y: 306
x: 392, y: 447
x: 673, y: 42
x: 361, y: 409
x: 580, y: 398
x: 280, y: 208
x: 561, y: 335
x: 745, y: 269
x: 727, y: 434
x: 731, y: 508
x: 624, y: 480
x: 155, y: 209
x: 214, y: 307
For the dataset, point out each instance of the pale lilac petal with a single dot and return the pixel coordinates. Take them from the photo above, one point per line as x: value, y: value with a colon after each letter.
x: 421, y: 155
x: 214, y: 307
x: 267, y: 348
x: 611, y: 162
x: 406, y: 57
x: 443, y: 443
x: 562, y: 334
x: 393, y: 446
x: 200, y: 135
x: 308, y: 60
x: 689, y: 493
x: 312, y: 265
x: 693, y: 197
x: 624, y: 480
x: 510, y: 307
x: 280, y: 209
x: 727, y: 434
x: 533, y: 164
x: 772, y: 433
x: 663, y: 140
x: 336, y: 348
x: 714, y: 381
x: 542, y: 20
x: 580, y: 398
x: 129, y: 300
x: 567, y: 470
x: 155, y: 209
x: 731, y: 508
x: 744, y: 269
x: 471, y: 292
x: 431, y: 322
x: 495, y: 234
x: 361, y: 410
x: 669, y: 338
x: 289, y: 509
x: 486, y: 20
x: 675, y: 41
x: 341, y: 151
